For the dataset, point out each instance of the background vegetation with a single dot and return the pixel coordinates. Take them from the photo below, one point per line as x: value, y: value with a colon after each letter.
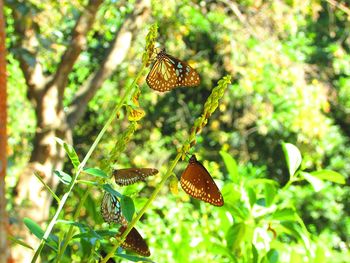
x: 290, y: 68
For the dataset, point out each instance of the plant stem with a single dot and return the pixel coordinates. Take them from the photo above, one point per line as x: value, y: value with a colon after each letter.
x: 82, y: 165
x: 144, y: 208
x: 71, y: 227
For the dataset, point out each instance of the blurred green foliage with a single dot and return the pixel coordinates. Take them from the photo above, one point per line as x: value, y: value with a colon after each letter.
x: 291, y: 68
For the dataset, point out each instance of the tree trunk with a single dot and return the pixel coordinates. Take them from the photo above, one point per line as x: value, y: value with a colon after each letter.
x: 46, y: 92
x: 4, y: 246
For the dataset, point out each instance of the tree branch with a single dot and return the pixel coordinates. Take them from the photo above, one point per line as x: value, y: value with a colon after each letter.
x: 25, y: 51
x: 114, y: 57
x: 77, y: 44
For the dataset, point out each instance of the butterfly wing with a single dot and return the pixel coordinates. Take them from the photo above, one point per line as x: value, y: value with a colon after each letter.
x: 110, y: 208
x: 135, y: 242
x: 132, y: 175
x: 197, y: 182
x: 169, y: 72
x: 186, y: 75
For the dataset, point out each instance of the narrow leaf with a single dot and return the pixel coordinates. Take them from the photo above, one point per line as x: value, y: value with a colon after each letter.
x: 329, y: 175
x: 70, y: 152
x: 37, y: 175
x: 128, y: 207
x: 33, y: 227
x: 96, y: 172
x: 19, y: 242
x: 293, y: 157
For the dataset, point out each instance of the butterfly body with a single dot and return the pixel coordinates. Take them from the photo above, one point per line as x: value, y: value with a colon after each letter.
x: 132, y: 175
x: 169, y: 72
x: 197, y: 182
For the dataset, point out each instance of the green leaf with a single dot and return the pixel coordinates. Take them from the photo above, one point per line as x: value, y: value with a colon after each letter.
x: 231, y: 166
x: 251, y: 195
x: 329, y: 175
x: 298, y: 233
x: 33, y: 227
x: 293, y: 157
x: 235, y: 235
x: 284, y: 214
x: 128, y: 207
x: 70, y: 152
x: 259, y: 181
x: 77, y: 224
x: 64, y: 177
x: 271, y: 256
x: 96, y: 172
x: 316, y: 183
x: 255, y: 254
x: 108, y: 188
x: 270, y: 193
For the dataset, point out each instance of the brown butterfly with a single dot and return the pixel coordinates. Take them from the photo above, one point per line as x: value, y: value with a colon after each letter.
x: 134, y: 242
x: 111, y: 210
x: 197, y: 182
x: 132, y: 175
x: 169, y: 72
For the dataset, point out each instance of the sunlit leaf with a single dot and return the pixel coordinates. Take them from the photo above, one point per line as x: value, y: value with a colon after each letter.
x: 316, y: 183
x: 329, y: 175
x: 293, y: 157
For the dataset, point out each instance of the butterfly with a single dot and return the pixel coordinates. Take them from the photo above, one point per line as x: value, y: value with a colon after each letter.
x: 197, y: 182
x: 134, y: 242
x: 169, y: 72
x: 111, y: 210
x: 132, y: 175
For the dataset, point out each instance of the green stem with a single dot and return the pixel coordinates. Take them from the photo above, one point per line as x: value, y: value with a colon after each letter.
x: 144, y: 208
x: 71, y: 227
x: 82, y: 165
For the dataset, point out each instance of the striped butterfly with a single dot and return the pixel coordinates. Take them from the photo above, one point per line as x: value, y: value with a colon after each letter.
x: 168, y: 72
